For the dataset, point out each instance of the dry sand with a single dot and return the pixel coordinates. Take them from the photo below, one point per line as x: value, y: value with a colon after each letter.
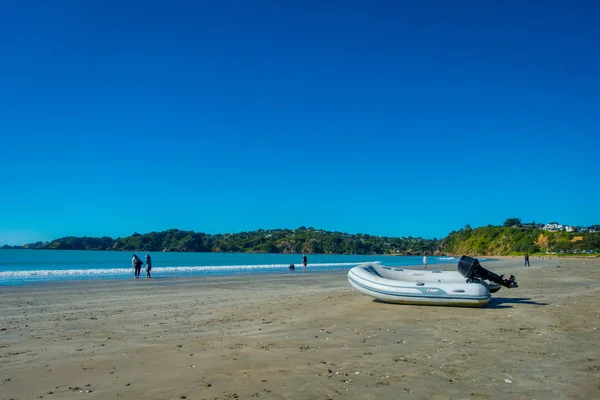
x: 301, y: 336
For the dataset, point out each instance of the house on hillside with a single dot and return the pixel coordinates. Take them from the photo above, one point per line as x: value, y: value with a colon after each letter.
x: 553, y: 227
x: 569, y: 228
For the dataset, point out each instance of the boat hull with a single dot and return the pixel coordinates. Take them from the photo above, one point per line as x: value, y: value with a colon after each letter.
x: 396, y: 285
x: 430, y: 276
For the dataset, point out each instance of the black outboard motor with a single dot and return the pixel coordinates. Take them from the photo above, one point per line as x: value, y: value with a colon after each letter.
x: 470, y: 268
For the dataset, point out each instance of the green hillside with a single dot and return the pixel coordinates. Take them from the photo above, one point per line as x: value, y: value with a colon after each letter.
x: 299, y: 240
x: 496, y: 241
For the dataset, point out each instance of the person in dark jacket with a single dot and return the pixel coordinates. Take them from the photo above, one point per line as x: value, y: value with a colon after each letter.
x: 136, y: 263
x: 304, y: 262
x: 148, y: 265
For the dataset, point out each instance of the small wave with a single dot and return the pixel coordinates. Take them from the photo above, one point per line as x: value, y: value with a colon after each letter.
x: 165, y: 271
x: 446, y: 258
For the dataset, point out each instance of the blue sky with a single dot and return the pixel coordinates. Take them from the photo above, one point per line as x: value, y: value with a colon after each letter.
x: 381, y: 117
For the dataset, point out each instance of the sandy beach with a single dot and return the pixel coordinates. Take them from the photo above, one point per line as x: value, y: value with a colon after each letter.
x: 301, y: 336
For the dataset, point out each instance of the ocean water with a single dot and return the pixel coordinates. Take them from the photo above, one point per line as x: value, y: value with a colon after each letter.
x: 31, y: 266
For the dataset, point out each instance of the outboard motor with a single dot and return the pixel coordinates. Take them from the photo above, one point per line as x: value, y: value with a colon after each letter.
x: 471, y: 269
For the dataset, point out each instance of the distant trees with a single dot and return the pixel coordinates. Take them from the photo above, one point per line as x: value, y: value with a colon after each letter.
x: 79, y: 243
x: 264, y: 241
x: 271, y: 248
x: 510, y: 222
x: 497, y: 240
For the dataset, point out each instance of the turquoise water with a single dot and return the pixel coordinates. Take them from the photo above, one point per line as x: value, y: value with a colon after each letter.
x: 30, y: 266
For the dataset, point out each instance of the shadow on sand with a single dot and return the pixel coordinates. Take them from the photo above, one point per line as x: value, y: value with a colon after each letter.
x: 495, y: 302
x: 499, y: 302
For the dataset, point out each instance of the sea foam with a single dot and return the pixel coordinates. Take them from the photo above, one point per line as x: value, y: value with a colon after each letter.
x: 167, y: 271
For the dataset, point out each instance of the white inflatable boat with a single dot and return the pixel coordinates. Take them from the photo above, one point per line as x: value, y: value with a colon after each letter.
x: 470, y: 286
x: 397, y: 285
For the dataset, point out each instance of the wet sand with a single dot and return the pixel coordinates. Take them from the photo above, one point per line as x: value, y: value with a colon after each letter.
x: 301, y: 336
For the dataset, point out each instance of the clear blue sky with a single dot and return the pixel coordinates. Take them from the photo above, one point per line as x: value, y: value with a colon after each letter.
x: 381, y: 117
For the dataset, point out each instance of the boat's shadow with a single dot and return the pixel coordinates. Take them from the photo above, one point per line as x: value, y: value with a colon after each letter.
x: 506, y: 302
x: 495, y: 302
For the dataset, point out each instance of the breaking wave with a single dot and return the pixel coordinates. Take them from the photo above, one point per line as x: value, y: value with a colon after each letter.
x: 192, y: 270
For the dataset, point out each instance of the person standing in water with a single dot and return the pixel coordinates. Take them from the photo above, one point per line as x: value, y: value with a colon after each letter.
x: 304, y: 262
x: 148, y: 266
x: 425, y: 261
x: 136, y: 263
x: 527, y: 260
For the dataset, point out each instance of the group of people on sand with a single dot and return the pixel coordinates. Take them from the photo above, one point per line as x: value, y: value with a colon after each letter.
x: 136, y: 264
x: 292, y: 268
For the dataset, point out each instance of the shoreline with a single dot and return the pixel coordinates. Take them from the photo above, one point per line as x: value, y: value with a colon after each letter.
x: 157, y: 278
x: 77, y: 266
x: 183, y: 279
x: 191, y: 280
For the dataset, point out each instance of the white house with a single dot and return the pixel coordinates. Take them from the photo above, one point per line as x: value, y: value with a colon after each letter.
x: 553, y: 227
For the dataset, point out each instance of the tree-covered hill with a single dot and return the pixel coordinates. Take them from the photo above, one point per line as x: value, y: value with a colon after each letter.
x: 500, y: 240
x: 74, y: 243
x: 300, y: 240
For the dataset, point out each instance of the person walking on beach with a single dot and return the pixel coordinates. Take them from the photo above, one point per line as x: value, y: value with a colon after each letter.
x: 424, y: 261
x: 304, y: 262
x: 527, y: 260
x: 148, y: 266
x: 136, y: 263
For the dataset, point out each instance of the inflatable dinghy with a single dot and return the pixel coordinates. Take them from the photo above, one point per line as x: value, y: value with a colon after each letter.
x: 470, y: 286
